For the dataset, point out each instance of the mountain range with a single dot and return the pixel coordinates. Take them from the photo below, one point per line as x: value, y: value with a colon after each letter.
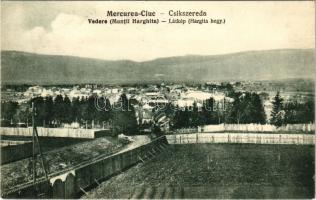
x: 29, y: 68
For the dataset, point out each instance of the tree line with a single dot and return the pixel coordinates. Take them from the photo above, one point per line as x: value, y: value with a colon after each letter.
x: 292, y: 112
x: 54, y: 112
x: 245, y: 108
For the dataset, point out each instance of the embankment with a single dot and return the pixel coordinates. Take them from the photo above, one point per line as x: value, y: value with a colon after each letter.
x: 75, y: 181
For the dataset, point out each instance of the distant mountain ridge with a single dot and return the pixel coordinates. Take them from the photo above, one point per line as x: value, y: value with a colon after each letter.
x: 29, y: 68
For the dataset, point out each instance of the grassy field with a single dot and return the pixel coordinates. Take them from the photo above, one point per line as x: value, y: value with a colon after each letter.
x: 218, y: 171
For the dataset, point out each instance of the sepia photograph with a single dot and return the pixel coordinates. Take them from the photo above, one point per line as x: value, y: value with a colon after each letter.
x: 157, y: 100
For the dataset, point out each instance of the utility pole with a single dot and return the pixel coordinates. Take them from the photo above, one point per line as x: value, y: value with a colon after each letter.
x: 36, y: 140
x: 224, y: 110
x: 33, y: 142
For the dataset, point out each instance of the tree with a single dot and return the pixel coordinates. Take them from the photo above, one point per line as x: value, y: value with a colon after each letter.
x: 87, y: 109
x: 23, y: 114
x: 75, y: 110
x: 277, y: 114
x: 83, y: 109
x: 296, y: 112
x: 124, y: 117
x: 309, y: 111
x: 208, y: 112
x: 49, y: 110
x: 181, y: 119
x: 193, y: 117
x: 104, y: 114
x: 257, y: 111
x: 66, y: 117
x: 8, y: 110
x: 235, y: 110
x: 131, y: 127
x: 40, y: 110
x: 175, y: 120
x: 194, y: 120
x: 169, y: 111
x: 246, y: 108
x: 58, y: 109
x: 292, y: 113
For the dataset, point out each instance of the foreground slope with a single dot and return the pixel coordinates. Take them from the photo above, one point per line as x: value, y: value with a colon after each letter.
x: 218, y: 171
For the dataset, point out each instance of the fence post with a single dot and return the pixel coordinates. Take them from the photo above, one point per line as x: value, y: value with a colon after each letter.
x: 280, y: 136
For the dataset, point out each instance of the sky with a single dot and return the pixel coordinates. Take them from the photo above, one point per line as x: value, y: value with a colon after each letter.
x: 62, y: 28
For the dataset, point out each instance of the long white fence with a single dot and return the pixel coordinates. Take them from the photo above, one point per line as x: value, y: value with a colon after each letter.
x: 255, y: 138
x: 256, y: 128
x: 49, y: 132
